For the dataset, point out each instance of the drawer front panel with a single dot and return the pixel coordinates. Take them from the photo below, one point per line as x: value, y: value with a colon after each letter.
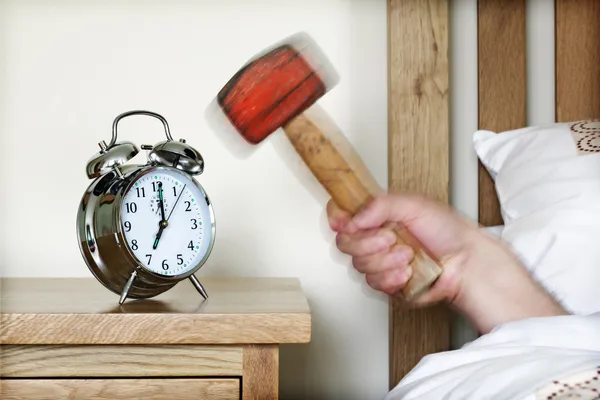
x: 120, y: 389
x: 99, y: 361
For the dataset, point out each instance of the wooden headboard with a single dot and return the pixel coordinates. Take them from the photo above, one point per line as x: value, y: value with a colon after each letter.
x: 419, y: 133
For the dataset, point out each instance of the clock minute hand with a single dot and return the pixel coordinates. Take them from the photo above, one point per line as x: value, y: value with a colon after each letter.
x: 163, y: 223
x: 176, y: 201
x: 162, y: 203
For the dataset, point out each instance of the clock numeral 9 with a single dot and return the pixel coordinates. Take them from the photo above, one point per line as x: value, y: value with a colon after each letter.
x: 131, y: 207
x: 134, y: 244
x: 127, y: 226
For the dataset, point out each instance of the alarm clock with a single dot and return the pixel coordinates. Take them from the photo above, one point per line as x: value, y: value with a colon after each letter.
x: 143, y: 228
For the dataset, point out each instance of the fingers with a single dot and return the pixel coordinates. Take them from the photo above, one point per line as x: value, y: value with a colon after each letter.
x: 398, y: 258
x: 389, y: 281
x: 365, y: 243
x: 388, y: 208
x: 337, y: 218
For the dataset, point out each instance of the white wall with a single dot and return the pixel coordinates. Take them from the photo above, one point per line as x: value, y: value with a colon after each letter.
x: 69, y: 67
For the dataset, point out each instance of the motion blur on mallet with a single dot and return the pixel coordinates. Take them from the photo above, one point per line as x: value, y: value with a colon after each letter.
x: 277, y: 89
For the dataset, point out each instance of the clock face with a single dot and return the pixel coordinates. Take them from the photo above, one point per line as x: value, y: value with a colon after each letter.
x: 167, y: 222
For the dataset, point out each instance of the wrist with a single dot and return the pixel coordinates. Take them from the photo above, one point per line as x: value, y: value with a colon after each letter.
x: 494, y: 287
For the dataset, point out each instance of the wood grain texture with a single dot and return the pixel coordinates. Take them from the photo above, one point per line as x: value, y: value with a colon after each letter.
x: 261, y: 373
x: 44, y: 361
x: 119, y: 389
x: 502, y: 83
x: 240, y: 310
x: 418, y: 150
x: 577, y: 60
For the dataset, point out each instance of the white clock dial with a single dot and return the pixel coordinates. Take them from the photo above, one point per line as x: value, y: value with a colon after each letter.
x: 186, y: 235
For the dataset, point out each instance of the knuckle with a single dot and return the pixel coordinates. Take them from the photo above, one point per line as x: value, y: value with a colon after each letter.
x: 360, y: 264
x: 340, y: 241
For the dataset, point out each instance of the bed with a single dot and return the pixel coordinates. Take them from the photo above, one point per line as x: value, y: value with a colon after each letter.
x: 419, y: 128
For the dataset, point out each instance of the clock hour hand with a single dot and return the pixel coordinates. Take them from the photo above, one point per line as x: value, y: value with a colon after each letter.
x: 162, y: 226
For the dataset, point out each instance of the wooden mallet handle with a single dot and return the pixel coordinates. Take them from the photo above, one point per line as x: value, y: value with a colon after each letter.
x: 350, y: 186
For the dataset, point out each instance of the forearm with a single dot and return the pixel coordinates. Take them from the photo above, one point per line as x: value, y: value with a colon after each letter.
x: 498, y: 289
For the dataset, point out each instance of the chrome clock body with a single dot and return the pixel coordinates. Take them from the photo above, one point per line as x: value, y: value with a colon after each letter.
x: 122, y: 262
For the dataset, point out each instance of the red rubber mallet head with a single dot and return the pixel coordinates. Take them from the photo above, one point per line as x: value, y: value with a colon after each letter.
x: 276, y: 86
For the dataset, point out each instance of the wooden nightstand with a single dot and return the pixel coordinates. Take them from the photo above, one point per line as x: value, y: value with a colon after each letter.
x: 69, y: 338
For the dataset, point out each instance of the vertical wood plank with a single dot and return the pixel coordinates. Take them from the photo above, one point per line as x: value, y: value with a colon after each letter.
x: 418, y: 151
x: 260, y: 380
x: 502, y: 83
x: 577, y: 59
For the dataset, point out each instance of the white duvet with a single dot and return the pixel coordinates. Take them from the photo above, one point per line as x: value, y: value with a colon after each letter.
x: 538, y: 358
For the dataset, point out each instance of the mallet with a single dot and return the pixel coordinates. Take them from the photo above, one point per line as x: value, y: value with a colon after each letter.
x: 275, y: 90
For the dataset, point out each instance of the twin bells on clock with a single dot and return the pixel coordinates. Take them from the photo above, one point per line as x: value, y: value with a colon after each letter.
x: 142, y: 228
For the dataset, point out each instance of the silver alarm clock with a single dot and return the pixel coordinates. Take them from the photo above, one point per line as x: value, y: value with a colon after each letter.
x: 144, y: 228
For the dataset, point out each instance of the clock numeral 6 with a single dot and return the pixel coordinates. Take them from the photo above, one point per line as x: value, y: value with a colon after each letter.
x: 165, y: 266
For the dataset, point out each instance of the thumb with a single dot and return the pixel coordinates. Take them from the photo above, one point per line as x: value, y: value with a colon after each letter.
x: 388, y: 208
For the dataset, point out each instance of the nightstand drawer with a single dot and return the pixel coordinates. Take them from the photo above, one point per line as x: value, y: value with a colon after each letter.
x: 120, y: 389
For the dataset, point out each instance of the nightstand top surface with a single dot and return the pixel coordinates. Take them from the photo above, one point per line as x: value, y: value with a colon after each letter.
x: 81, y: 311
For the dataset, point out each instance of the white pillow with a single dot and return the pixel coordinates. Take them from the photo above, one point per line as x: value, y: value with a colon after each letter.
x: 548, y: 183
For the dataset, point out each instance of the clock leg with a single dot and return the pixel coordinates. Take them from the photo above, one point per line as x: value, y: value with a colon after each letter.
x: 199, y: 286
x: 127, y: 287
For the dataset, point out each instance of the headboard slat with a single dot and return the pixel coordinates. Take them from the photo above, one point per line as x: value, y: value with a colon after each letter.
x: 577, y: 59
x: 502, y: 83
x: 418, y: 152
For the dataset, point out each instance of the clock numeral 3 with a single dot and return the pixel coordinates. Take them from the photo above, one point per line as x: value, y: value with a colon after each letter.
x: 131, y: 207
x: 194, y: 223
x: 134, y: 244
